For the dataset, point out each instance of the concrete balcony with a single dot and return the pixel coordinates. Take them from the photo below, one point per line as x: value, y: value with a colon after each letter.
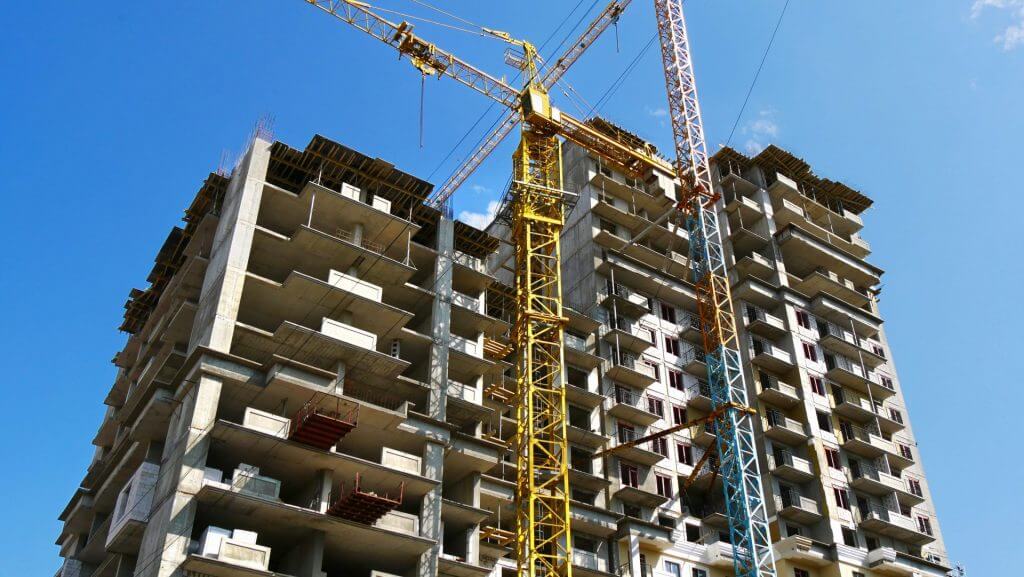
x: 864, y: 442
x: 592, y: 520
x: 760, y: 292
x: 746, y: 240
x: 678, y: 291
x: 641, y: 454
x: 847, y: 373
x: 845, y: 342
x: 770, y: 356
x: 797, y: 508
x: 693, y: 361
x: 631, y: 406
x: 719, y: 554
x: 746, y: 209
x: 699, y: 396
x: 892, y: 524
x: 579, y: 394
x: 822, y: 280
x: 589, y: 563
x: 804, y: 251
x: 773, y: 391
x: 761, y: 322
x: 756, y: 265
x: 803, y: 550
x: 627, y: 369
x: 689, y: 329
x: 470, y: 394
x: 733, y: 181
x: 789, y: 467
x: 641, y: 495
x: 704, y: 435
x: 579, y: 352
x: 469, y: 271
x: 582, y: 475
x: 131, y: 512
x: 586, y: 435
x: 783, y: 429
x: 888, y: 561
x: 623, y: 300
x: 867, y: 478
x: 626, y: 335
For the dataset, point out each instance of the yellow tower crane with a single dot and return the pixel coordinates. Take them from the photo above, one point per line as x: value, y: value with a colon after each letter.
x: 536, y: 204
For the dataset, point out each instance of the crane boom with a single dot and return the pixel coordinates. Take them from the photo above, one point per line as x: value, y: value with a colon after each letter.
x: 744, y: 495
x: 511, y: 118
x: 425, y: 56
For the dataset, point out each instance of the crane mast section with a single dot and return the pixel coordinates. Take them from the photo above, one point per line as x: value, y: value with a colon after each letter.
x: 549, y: 77
x: 744, y: 495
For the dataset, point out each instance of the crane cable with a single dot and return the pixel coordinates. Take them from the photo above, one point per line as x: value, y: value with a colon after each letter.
x: 764, y: 57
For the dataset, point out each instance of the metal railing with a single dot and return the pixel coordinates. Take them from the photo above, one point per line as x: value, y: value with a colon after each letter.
x: 788, y: 459
x: 350, y: 237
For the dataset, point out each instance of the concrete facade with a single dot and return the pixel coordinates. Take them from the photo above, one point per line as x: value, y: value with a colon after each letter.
x: 312, y: 290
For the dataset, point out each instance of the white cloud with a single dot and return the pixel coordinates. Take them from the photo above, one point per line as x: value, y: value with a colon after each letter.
x: 480, y: 219
x: 1013, y: 35
x: 657, y: 112
x: 759, y: 130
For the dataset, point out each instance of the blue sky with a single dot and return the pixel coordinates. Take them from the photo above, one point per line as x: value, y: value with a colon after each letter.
x: 112, y: 113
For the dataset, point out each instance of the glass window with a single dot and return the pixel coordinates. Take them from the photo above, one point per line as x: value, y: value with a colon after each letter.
x: 675, y: 379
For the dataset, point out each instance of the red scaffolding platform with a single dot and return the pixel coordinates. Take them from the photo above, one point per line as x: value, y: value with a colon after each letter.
x: 322, y: 428
x: 365, y: 506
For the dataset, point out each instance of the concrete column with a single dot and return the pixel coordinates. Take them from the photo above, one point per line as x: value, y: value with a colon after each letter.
x: 306, y: 558
x: 634, y: 556
x: 441, y: 314
x: 430, y: 511
x: 225, y: 274
x: 325, y: 479
x: 169, y: 531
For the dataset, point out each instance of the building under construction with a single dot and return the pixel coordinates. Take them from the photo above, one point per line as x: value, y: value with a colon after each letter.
x: 318, y: 382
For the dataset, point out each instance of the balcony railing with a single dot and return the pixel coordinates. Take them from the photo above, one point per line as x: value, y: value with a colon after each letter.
x: 350, y: 237
x: 771, y: 382
x: 774, y: 418
x: 864, y: 470
x: 631, y: 362
x: 787, y: 459
x: 790, y: 499
x: 755, y: 313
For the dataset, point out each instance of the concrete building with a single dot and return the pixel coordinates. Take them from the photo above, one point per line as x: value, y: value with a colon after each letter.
x: 316, y: 384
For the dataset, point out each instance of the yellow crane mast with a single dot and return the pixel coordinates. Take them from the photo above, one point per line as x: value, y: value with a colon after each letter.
x: 543, y: 541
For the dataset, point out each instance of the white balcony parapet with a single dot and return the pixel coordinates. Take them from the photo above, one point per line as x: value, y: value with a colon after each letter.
x: 399, y: 521
x: 355, y: 286
x: 353, y: 192
x: 466, y: 301
x: 247, y: 479
x: 348, y: 334
x: 464, y: 392
x: 236, y: 547
x: 266, y: 422
x: 401, y: 461
x: 381, y: 204
x: 465, y: 345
